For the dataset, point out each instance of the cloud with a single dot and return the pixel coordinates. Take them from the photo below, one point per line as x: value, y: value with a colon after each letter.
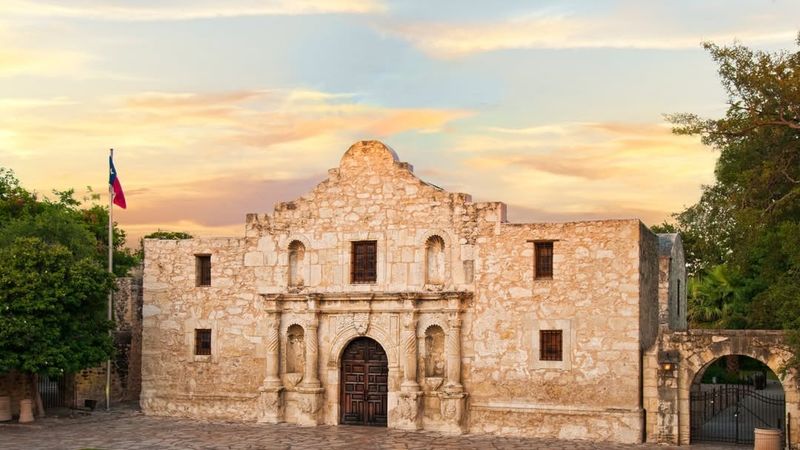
x: 215, y: 206
x: 576, y: 171
x: 200, y: 159
x: 562, y: 31
x: 27, y: 61
x: 169, y: 10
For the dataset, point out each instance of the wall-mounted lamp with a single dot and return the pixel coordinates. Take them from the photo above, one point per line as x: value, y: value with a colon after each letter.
x: 668, y: 360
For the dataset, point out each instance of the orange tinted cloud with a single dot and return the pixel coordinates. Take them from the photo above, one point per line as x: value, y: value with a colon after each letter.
x: 177, y: 152
x: 589, y: 170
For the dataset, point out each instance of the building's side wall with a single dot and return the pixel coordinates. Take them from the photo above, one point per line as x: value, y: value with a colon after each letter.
x: 678, y: 317
x: 175, y: 381
x: 648, y: 287
x: 594, y: 298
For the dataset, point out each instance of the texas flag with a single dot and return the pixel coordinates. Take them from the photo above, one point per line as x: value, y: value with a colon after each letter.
x: 113, y: 181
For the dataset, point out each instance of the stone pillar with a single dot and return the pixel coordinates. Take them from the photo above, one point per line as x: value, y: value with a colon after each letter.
x: 452, y: 397
x: 409, y: 400
x: 310, y: 391
x: 453, y: 351
x: 270, y: 400
x: 409, y: 339
x: 667, y: 385
x: 311, y: 375
x: 273, y: 351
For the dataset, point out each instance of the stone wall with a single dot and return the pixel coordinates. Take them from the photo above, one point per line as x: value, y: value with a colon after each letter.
x: 673, y: 284
x: 446, y: 267
x: 594, y: 296
x: 89, y: 384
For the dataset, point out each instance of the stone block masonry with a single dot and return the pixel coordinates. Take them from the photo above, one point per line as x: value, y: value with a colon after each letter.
x: 475, y: 340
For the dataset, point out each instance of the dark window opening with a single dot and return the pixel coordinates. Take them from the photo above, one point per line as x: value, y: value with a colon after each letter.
x: 202, y: 341
x: 203, y: 269
x: 550, y: 345
x: 678, y: 299
x: 363, y: 267
x: 544, y: 259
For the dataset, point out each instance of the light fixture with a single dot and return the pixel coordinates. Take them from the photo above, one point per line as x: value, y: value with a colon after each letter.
x: 668, y: 360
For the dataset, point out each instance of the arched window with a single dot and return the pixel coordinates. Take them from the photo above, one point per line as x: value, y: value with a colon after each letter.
x: 295, y: 349
x: 297, y: 253
x: 434, y: 351
x: 434, y: 260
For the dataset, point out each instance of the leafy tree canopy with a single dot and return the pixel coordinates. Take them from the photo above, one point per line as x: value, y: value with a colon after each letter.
x: 52, y: 309
x: 742, y: 236
x: 63, y: 220
x: 170, y: 235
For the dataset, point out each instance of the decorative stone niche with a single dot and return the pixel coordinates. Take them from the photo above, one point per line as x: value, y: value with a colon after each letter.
x: 434, y: 260
x: 297, y: 255
x: 295, y: 354
x: 434, y: 352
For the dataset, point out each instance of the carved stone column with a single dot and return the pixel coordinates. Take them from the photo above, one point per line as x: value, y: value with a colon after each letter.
x: 311, y: 375
x: 409, y: 340
x: 453, y: 352
x: 452, y: 397
x: 408, y: 414
x: 273, y: 350
x: 310, y: 399
x: 270, y: 400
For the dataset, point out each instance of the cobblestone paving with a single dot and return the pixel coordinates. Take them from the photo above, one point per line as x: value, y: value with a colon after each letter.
x: 129, y: 429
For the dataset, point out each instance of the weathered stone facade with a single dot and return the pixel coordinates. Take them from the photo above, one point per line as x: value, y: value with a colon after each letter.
x: 455, y: 304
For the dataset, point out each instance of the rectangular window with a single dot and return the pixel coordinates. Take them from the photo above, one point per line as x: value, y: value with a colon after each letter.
x: 550, y: 348
x: 202, y: 341
x: 544, y: 259
x: 203, y: 269
x: 363, y: 267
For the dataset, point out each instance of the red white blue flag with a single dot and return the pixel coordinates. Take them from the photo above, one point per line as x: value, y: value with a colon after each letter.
x: 113, y: 181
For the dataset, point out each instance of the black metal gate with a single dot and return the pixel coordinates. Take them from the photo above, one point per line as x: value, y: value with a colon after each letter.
x: 730, y: 413
x: 53, y: 391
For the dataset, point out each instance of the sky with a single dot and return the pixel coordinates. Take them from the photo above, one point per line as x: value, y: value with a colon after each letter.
x: 216, y: 109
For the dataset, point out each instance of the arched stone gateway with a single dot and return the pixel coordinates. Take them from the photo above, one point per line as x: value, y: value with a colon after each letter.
x: 364, y: 383
x: 685, y: 356
x: 727, y: 406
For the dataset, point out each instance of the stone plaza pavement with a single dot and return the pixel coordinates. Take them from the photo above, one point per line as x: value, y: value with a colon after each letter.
x: 128, y: 428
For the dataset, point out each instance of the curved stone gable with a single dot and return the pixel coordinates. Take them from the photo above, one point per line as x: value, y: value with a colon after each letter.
x: 371, y: 185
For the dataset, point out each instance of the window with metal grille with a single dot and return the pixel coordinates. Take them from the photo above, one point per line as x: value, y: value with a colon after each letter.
x: 544, y: 259
x: 202, y: 341
x: 203, y: 269
x: 363, y: 267
x: 550, y: 345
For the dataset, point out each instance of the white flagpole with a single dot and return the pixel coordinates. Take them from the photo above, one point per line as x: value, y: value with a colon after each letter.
x: 110, y: 270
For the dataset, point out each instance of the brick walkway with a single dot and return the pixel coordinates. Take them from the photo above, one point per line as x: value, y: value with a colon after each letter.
x: 129, y: 429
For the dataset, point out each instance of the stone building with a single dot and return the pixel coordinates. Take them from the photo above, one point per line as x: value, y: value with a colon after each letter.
x: 379, y: 298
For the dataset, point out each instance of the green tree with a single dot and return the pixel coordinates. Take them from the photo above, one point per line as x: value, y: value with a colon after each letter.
x: 54, y: 282
x: 53, y: 309
x: 63, y: 220
x: 749, y: 219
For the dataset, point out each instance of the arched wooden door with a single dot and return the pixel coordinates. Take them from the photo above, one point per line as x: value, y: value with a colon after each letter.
x: 364, y: 383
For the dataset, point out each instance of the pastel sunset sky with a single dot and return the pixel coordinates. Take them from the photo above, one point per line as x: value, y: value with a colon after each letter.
x: 220, y: 108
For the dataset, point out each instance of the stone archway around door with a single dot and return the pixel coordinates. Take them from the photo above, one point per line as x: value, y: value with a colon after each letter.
x: 695, y: 350
x: 364, y: 383
x: 727, y: 406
